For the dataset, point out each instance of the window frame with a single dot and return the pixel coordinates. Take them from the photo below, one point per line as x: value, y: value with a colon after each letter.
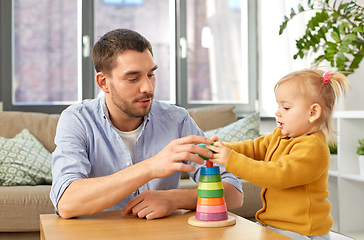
x: 6, y: 62
x: 181, y: 67
x: 87, y: 71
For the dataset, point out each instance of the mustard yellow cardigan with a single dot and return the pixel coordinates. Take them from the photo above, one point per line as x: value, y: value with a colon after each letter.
x: 294, y: 176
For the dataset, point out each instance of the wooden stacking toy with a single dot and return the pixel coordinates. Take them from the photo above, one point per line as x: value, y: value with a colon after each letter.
x: 211, y: 208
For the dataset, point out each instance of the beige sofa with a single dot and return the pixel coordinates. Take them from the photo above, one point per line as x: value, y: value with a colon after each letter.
x: 20, y: 206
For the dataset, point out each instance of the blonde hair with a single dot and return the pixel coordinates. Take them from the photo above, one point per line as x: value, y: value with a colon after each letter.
x: 315, y: 90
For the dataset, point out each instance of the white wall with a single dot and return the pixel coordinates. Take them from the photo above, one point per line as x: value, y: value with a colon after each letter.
x: 275, y: 58
x: 275, y: 54
x: 355, y: 97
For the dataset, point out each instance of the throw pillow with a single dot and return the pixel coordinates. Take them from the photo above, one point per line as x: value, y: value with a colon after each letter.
x: 24, y: 161
x: 241, y: 130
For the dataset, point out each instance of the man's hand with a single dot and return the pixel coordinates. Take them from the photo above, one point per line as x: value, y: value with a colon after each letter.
x: 162, y: 203
x: 158, y: 204
x: 170, y: 158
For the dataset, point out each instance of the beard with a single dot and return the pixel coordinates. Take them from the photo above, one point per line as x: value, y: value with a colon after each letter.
x: 127, y: 106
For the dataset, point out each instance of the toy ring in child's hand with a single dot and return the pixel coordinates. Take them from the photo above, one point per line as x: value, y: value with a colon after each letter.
x: 208, y: 163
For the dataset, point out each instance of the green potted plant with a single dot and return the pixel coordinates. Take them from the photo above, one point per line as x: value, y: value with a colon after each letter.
x: 360, y: 152
x: 336, y: 30
x: 333, y: 155
x: 332, y: 147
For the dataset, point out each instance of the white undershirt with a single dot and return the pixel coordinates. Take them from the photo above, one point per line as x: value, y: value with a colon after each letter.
x: 129, y: 138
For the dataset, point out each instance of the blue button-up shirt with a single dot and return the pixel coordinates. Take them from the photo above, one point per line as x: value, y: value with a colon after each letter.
x: 88, y: 146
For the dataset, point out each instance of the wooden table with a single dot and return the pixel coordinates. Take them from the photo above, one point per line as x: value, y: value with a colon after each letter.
x: 111, y: 225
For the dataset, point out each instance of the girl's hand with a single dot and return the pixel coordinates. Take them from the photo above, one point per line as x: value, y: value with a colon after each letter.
x: 215, y: 138
x: 221, y: 152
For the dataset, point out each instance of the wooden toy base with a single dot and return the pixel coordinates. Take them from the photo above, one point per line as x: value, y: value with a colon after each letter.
x: 197, y: 223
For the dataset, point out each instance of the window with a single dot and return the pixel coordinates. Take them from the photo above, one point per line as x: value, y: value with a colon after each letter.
x: 154, y: 20
x: 39, y: 55
x: 217, y: 52
x: 122, y: 3
x: 45, y: 52
x: 217, y: 55
x: 205, y: 50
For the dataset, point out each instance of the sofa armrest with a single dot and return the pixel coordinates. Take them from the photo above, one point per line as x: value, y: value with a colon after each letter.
x: 20, y: 207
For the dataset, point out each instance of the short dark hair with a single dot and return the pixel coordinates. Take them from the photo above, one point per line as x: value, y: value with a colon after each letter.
x: 107, y: 48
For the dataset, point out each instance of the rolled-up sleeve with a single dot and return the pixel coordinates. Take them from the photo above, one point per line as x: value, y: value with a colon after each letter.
x: 70, y: 158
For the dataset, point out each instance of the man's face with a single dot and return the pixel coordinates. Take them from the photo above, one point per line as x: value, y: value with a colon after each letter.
x: 131, y: 84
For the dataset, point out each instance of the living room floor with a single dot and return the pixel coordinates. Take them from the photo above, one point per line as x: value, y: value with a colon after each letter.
x: 356, y: 236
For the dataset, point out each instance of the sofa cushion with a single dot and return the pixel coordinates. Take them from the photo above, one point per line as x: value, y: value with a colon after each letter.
x: 24, y: 161
x: 20, y: 207
x: 241, y: 130
x: 41, y: 125
x: 212, y: 117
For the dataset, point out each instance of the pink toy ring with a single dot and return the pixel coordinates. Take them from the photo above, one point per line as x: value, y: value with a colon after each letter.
x: 211, y: 216
x: 211, y: 208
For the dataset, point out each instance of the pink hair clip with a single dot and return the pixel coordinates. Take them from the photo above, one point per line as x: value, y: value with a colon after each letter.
x: 327, y: 76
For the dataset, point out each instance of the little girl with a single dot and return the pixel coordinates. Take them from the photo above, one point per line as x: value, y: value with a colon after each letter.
x: 291, y: 164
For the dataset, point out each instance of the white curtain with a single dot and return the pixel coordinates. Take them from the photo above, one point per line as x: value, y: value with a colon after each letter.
x: 275, y: 52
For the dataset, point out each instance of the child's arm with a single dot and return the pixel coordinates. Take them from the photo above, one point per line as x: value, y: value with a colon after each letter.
x: 252, y: 149
x: 298, y: 163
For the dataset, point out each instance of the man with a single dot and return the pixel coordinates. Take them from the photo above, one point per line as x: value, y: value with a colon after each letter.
x: 125, y: 150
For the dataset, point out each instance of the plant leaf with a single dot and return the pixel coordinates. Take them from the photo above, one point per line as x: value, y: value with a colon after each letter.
x: 351, y: 36
x: 357, y: 59
x: 357, y: 29
x: 350, y: 6
x: 342, y: 6
x: 343, y: 21
x: 341, y: 57
x: 335, y: 36
x: 330, y: 51
x: 282, y: 27
x: 344, y: 49
x: 293, y: 13
x: 334, y: 4
x: 319, y: 58
x: 331, y: 45
x: 300, y: 8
